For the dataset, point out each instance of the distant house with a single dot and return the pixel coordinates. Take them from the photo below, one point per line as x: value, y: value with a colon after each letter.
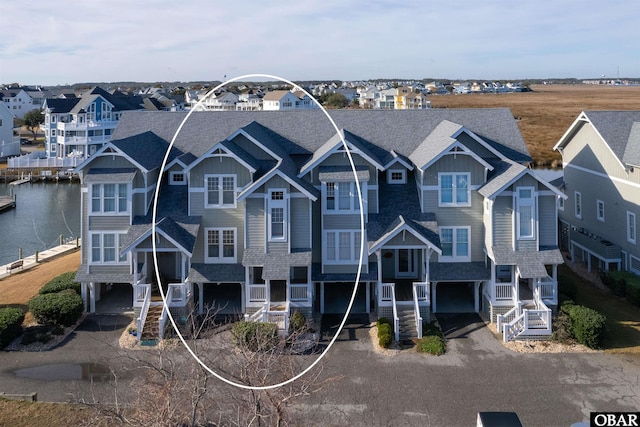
x: 18, y: 101
x: 260, y: 213
x: 601, y: 162
x: 224, y: 101
x: 9, y: 145
x: 283, y: 100
x: 78, y: 127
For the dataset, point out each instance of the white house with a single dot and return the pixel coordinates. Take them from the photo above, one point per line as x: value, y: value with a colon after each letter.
x: 9, y: 145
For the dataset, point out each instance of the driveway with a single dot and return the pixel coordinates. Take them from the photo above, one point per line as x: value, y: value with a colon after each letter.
x: 405, y: 388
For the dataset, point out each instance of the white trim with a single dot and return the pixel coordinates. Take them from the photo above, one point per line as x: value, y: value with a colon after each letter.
x: 248, y: 190
x: 210, y: 154
x: 464, y: 151
x: 117, y: 258
x: 631, y: 233
x: 398, y: 159
x: 277, y: 204
x: 220, y: 190
x: 403, y: 176
x: 116, y: 199
x: 354, y: 249
x: 413, y: 263
x: 601, y: 175
x: 255, y: 141
x: 454, y: 176
x: 221, y: 259
x: 172, y: 178
x: 336, y: 149
x: 354, y: 202
x: 524, y: 202
x: 598, y: 216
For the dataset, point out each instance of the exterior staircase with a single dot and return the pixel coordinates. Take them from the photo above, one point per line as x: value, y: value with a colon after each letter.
x: 407, y: 328
x: 151, y: 328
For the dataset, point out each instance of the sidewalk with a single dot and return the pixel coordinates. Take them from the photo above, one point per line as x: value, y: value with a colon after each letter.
x: 30, y: 261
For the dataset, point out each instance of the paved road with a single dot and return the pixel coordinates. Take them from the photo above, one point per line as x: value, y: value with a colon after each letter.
x: 476, y: 374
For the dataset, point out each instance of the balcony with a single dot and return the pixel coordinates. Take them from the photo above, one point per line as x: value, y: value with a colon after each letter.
x: 87, y: 125
x: 596, y: 245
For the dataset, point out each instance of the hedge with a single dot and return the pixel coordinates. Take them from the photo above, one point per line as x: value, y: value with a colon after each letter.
x: 587, y: 325
x: 297, y: 322
x: 623, y: 284
x: 256, y: 336
x: 431, y: 344
x: 61, y: 308
x: 61, y: 283
x: 385, y: 333
x: 11, y: 319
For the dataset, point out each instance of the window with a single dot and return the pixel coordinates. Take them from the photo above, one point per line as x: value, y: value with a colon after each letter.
x: 455, y: 244
x: 600, y: 210
x: 277, y: 215
x: 526, y: 218
x: 105, y: 248
x: 177, y: 178
x: 342, y: 197
x: 561, y: 203
x: 397, y: 176
x: 342, y: 247
x: 631, y: 227
x: 454, y: 189
x: 109, y: 198
x: 220, y: 245
x: 221, y: 191
x: 578, y: 204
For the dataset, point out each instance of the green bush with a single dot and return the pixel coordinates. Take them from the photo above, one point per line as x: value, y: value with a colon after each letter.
x: 623, y: 284
x: 61, y: 308
x: 632, y: 290
x: 385, y: 333
x: 61, y: 283
x: 431, y: 344
x: 586, y: 325
x: 10, y: 324
x: 297, y: 322
x: 256, y: 336
x: 383, y: 320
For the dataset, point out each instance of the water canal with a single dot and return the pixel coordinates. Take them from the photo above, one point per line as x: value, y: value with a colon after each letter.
x: 44, y: 212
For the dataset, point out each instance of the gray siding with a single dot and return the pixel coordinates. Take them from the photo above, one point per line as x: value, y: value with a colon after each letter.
x: 196, y: 203
x: 218, y: 165
x: 503, y: 221
x: 475, y: 146
x: 409, y: 240
x: 107, y: 223
x: 458, y: 163
x: 109, y: 269
x: 300, y: 226
x: 255, y: 223
x: 278, y: 247
x: 548, y: 226
x: 341, y: 222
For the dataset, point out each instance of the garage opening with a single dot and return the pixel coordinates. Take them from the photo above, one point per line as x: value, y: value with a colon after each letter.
x: 114, y: 298
x: 455, y: 297
x: 225, y: 298
x: 337, y: 296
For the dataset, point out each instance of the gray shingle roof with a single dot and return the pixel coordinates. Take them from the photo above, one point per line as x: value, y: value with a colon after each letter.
x: 342, y: 173
x: 276, y: 265
x: 503, y: 173
x: 216, y: 273
x: 458, y: 271
x: 147, y: 149
x: 530, y: 263
x: 111, y: 175
x: 83, y: 275
x: 437, y: 141
x: 617, y: 129
x: 318, y: 276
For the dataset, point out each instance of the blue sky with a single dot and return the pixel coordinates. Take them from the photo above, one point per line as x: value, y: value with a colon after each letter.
x: 64, y: 41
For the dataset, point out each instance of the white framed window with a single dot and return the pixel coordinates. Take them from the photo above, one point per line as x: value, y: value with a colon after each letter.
x: 105, y: 248
x: 220, y: 191
x: 177, y: 178
x: 220, y: 245
x: 453, y: 189
x: 341, y: 197
x: 578, y: 204
x: 561, y: 203
x: 109, y: 199
x: 600, y: 210
x: 342, y: 247
x: 277, y: 217
x: 526, y: 213
x: 397, y: 176
x: 455, y: 243
x: 631, y: 227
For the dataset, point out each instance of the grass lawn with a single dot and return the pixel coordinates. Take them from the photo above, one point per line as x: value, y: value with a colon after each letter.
x: 40, y: 414
x: 623, y: 319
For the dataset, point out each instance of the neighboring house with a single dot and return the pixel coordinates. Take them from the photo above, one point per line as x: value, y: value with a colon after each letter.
x: 9, y: 145
x: 283, y: 100
x: 78, y: 127
x: 601, y: 162
x: 224, y: 101
x: 18, y: 101
x: 260, y: 213
x: 408, y: 99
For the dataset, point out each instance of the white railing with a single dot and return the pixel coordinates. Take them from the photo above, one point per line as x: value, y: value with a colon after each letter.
x: 514, y: 328
x: 177, y: 295
x: 300, y: 292
x: 257, y: 293
x: 258, y: 316
x: 386, y: 292
x: 508, y: 317
x: 547, y: 289
x: 27, y: 161
x: 396, y: 319
x: 140, y: 292
x: 529, y: 322
x: 421, y: 290
x: 279, y: 317
x: 416, y: 308
x: 162, y: 321
x: 143, y: 312
x: 503, y: 291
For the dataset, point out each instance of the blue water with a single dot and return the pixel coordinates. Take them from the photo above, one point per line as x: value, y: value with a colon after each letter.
x: 43, y: 212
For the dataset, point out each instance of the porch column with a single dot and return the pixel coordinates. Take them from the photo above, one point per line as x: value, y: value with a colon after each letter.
x: 379, y: 261
x: 92, y: 297
x: 288, y: 291
x: 201, y: 299
x: 135, y: 267
x: 83, y: 293
x: 183, y: 269
x: 516, y: 290
x: 588, y: 261
x: 368, y: 292
x: 554, y: 272
x: 268, y: 291
x: 433, y: 297
x: 322, y: 297
x: 476, y: 297
x: 243, y: 297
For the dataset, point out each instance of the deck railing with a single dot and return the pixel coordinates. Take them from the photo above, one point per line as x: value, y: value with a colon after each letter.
x: 140, y: 292
x: 257, y: 293
x: 418, y: 295
x: 547, y: 289
x: 387, y: 293
x: 142, y: 318
x: 300, y: 292
x: 396, y: 318
x: 177, y: 294
x: 503, y: 291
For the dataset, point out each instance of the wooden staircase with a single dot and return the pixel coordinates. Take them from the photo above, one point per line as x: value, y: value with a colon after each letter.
x: 151, y: 328
x: 407, y: 327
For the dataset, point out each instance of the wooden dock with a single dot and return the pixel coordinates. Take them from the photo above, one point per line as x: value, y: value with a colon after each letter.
x: 7, y: 202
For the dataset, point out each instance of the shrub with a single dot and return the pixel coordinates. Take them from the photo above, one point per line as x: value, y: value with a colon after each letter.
x: 385, y: 334
x: 632, y: 290
x: 61, y: 283
x: 383, y: 320
x: 11, y: 319
x: 256, y: 336
x: 61, y: 308
x: 586, y: 325
x: 431, y: 344
x: 297, y: 322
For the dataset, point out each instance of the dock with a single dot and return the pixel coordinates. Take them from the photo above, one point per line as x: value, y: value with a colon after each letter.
x: 20, y: 181
x: 35, y: 259
x: 7, y: 202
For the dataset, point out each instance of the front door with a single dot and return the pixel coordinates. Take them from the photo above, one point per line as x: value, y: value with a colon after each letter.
x: 406, y: 263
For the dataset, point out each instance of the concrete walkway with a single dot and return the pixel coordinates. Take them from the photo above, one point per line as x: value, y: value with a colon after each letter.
x: 35, y: 259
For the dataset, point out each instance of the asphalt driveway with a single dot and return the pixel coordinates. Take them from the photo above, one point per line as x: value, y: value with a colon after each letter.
x: 476, y: 374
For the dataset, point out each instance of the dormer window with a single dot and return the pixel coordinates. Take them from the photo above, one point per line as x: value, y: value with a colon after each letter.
x: 454, y: 189
x: 177, y: 178
x: 341, y: 197
x: 220, y: 191
x: 397, y: 176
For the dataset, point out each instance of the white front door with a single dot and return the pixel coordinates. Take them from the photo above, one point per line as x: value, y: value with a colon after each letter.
x: 406, y: 263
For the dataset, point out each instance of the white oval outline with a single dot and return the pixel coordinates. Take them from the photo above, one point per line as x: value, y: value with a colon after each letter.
x: 153, y: 233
